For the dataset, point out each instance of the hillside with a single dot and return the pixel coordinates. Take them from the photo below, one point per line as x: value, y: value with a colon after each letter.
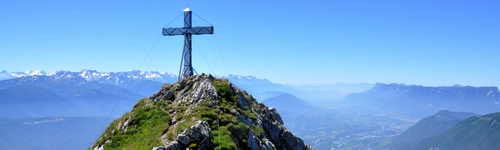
x: 200, y: 112
x: 288, y: 102
x: 472, y: 133
x: 428, y: 127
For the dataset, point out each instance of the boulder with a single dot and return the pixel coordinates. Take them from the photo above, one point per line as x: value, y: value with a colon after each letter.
x: 183, y: 138
x: 169, y: 95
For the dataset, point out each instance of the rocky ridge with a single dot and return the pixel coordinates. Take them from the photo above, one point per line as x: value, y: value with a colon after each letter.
x: 200, y: 112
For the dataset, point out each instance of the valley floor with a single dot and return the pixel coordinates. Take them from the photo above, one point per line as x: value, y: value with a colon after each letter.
x: 328, y: 129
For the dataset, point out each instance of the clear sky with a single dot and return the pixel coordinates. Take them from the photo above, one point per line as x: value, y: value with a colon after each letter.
x: 424, y: 42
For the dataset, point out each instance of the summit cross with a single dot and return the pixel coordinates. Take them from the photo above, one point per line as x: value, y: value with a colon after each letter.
x: 187, y: 31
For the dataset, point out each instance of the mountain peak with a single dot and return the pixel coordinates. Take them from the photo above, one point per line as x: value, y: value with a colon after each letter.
x: 396, y: 86
x: 200, y: 112
x: 241, y: 77
x: 288, y: 103
x: 4, y: 74
x: 36, y: 72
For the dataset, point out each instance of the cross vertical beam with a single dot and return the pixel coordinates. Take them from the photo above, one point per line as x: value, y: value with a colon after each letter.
x: 187, y: 31
x: 186, y: 52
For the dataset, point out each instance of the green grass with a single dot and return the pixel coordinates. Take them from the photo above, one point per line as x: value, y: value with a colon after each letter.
x: 239, y: 131
x: 146, y: 125
x: 222, y: 140
x: 258, y: 132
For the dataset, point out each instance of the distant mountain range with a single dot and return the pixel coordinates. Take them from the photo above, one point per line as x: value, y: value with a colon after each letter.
x: 9, y: 75
x: 93, y: 75
x: 317, y: 94
x: 85, y: 93
x: 260, y: 88
x: 419, y: 101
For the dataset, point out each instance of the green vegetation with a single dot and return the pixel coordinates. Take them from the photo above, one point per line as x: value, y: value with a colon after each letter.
x: 472, y: 133
x: 145, y: 125
x: 258, y: 131
x: 222, y: 87
x: 230, y: 128
x: 222, y: 139
x: 428, y: 127
x: 239, y: 131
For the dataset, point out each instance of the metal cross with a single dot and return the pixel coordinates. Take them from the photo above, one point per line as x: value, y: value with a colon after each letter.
x: 187, y: 31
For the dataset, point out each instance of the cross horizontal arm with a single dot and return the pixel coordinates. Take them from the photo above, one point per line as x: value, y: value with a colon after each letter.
x: 192, y: 30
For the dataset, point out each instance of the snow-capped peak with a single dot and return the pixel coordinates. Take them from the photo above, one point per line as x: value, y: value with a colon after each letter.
x: 4, y: 74
x: 93, y: 75
x: 37, y: 73
x: 118, y: 77
x: 240, y: 77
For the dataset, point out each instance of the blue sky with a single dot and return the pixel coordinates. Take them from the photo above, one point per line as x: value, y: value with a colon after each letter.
x: 422, y: 42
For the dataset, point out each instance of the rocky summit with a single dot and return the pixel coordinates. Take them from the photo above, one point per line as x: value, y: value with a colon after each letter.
x: 200, y: 112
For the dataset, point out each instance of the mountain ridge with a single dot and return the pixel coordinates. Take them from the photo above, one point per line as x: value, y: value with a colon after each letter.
x: 415, y: 100
x: 288, y: 102
x: 429, y: 127
x: 93, y: 75
x: 95, y: 97
x: 477, y: 132
x: 199, y: 112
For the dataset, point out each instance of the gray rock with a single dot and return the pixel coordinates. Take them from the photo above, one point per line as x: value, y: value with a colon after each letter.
x: 244, y: 119
x: 268, y: 145
x: 202, y: 133
x: 253, y: 141
x: 234, y: 111
x: 174, y: 145
x: 183, y: 138
x: 169, y: 95
x: 159, y: 148
x: 242, y: 102
x: 210, y: 77
x: 273, y: 113
x: 162, y: 95
x: 231, y: 89
x: 273, y: 130
x: 99, y: 147
x: 291, y: 141
x: 205, y: 90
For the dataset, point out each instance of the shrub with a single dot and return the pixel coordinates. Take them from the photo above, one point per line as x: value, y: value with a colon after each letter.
x: 223, y: 140
x: 239, y: 131
x: 257, y: 131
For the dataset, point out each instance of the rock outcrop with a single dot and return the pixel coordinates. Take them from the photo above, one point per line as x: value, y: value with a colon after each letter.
x: 200, y: 112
